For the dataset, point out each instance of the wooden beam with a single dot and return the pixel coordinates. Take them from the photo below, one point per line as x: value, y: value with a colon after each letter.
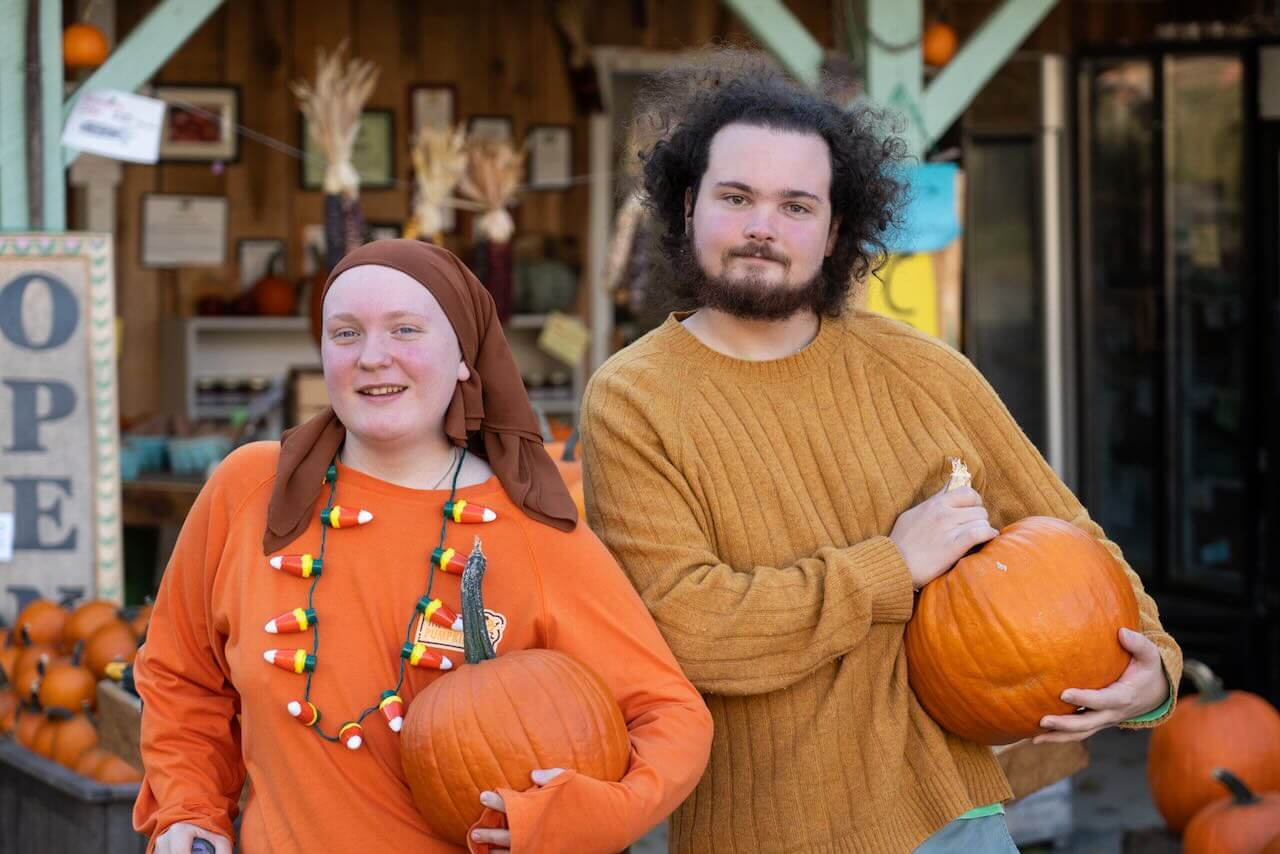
x: 895, y: 73
x: 53, y: 181
x: 783, y: 35
x: 145, y: 51
x: 983, y: 53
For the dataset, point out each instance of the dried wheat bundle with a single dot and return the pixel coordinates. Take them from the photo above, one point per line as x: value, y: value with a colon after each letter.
x: 439, y: 161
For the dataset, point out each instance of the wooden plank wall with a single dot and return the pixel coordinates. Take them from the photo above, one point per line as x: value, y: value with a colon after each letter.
x: 503, y: 56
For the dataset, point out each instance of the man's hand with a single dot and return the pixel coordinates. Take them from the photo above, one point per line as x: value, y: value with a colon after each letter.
x: 501, y: 839
x: 1140, y: 689
x: 179, y: 838
x: 933, y: 535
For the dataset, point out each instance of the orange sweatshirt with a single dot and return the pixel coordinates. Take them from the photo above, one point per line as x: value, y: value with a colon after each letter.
x: 214, y: 709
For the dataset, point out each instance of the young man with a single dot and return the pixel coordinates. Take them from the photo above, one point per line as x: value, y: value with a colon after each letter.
x: 767, y: 470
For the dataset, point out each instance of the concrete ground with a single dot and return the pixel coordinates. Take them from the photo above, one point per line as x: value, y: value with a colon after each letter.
x: 1108, y: 809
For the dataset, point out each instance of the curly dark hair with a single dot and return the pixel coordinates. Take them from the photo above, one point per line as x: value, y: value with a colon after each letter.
x: 866, y: 185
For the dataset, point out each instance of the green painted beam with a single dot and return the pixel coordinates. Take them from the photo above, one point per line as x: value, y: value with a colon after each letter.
x: 136, y: 59
x: 895, y: 72
x: 55, y: 177
x: 983, y: 53
x: 13, y: 123
x: 783, y: 35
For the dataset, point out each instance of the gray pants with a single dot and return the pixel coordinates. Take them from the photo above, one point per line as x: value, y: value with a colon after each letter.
x: 986, y: 835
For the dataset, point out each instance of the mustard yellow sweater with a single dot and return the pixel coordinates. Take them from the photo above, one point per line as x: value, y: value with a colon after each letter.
x: 750, y: 503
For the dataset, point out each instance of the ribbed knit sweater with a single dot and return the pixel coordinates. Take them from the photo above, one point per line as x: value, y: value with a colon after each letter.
x: 750, y: 503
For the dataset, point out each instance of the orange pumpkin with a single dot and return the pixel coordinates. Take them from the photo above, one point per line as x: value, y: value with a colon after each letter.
x: 85, y: 620
x: 26, y: 668
x: 274, y: 295
x: 113, y: 769
x: 8, y: 710
x: 1242, y: 824
x: 1215, y: 728
x: 578, y: 493
x: 42, y: 622
x: 938, y: 44
x: 45, y: 733
x: 9, y: 656
x: 73, y: 735
x: 89, y: 761
x: 84, y: 46
x: 27, y: 722
x: 995, y: 641
x: 68, y: 685
x: 452, y: 748
x: 565, y: 456
x: 138, y: 618
x: 111, y: 642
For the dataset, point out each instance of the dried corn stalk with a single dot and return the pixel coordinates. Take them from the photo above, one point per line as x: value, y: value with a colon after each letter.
x: 439, y: 161
x: 493, y: 173
x: 333, y: 106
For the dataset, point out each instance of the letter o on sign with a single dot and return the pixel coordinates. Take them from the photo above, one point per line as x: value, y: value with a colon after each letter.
x: 65, y: 311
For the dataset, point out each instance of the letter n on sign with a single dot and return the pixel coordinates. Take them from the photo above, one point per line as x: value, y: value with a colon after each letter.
x: 59, y: 446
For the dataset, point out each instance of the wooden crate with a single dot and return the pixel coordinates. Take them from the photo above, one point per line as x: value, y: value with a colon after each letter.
x: 119, y: 722
x: 47, y: 808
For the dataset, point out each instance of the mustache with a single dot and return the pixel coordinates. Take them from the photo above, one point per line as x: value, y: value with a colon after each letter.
x: 758, y: 250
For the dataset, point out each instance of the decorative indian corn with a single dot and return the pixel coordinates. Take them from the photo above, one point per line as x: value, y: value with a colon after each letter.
x: 303, y: 566
x: 466, y: 513
x: 297, y: 660
x: 297, y: 620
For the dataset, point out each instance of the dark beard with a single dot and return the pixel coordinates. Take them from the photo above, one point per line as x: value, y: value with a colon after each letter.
x: 748, y: 298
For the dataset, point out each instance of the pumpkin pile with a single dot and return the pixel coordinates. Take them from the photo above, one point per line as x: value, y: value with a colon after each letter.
x: 1214, y: 767
x: 1037, y: 610
x: 565, y: 456
x: 453, y: 749
x: 50, y: 664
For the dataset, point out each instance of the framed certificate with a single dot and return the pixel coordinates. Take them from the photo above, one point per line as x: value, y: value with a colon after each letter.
x: 183, y: 230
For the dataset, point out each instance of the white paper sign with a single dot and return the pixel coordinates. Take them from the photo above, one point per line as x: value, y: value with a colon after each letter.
x: 115, y: 124
x: 6, y: 537
x: 184, y: 230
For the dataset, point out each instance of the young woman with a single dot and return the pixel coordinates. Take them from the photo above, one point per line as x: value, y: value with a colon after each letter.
x: 428, y: 410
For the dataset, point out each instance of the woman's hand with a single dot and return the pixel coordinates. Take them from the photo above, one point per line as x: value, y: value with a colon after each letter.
x: 501, y: 839
x: 1142, y: 688
x: 179, y: 838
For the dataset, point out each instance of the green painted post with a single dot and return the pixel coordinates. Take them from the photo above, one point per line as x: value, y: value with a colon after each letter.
x: 895, y: 72
x: 13, y: 123
x: 783, y: 35
x: 55, y: 177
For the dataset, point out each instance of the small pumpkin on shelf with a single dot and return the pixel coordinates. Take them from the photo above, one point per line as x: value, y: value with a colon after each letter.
x: 565, y: 718
x: 1241, y: 824
x: 113, y: 641
x: 68, y: 685
x: 26, y: 667
x: 42, y: 622
x: 27, y: 722
x: 113, y: 769
x: 84, y: 620
x: 73, y: 734
x: 1214, y: 728
x: 994, y: 642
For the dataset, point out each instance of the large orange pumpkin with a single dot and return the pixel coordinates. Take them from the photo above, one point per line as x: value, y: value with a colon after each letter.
x: 85, y: 620
x: 476, y: 729
x: 1242, y: 824
x: 27, y: 723
x: 42, y: 743
x: 42, y: 622
x: 111, y: 642
x: 8, y: 710
x: 565, y: 456
x: 26, y: 668
x: 995, y: 641
x: 89, y: 761
x: 1214, y: 728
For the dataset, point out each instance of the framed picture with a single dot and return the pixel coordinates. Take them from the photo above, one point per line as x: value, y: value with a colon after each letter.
x: 257, y: 257
x: 550, y: 153
x: 183, y: 230
x: 61, y: 497
x: 200, y: 123
x: 373, y: 155
x: 496, y: 128
x: 432, y: 105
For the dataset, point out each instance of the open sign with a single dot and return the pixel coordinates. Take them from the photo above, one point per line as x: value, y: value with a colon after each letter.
x: 59, y: 447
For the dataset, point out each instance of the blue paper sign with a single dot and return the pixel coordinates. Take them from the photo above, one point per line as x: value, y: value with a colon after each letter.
x: 929, y: 219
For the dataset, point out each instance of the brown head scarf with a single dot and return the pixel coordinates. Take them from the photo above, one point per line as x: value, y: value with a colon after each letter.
x: 491, y: 410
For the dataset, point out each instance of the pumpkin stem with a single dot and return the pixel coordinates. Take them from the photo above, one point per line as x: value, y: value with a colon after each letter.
x: 4, y: 679
x: 1240, y: 793
x: 1207, y: 683
x: 58, y: 714
x: 77, y: 653
x: 475, y: 628
x: 960, y: 477
x: 25, y: 632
